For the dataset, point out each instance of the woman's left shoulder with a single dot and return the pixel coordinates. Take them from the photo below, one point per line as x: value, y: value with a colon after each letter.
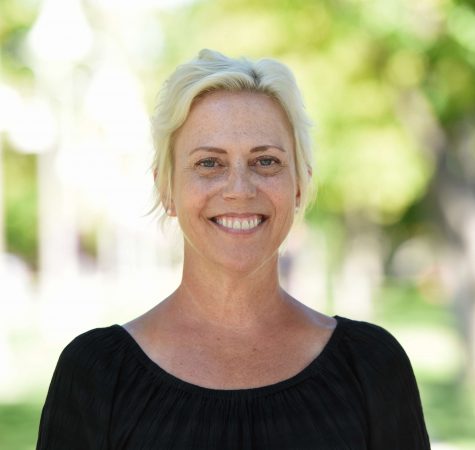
x: 385, y: 376
x: 372, y: 346
x: 364, y: 335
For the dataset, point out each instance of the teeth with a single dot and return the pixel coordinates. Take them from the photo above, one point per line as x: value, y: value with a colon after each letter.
x: 239, y: 224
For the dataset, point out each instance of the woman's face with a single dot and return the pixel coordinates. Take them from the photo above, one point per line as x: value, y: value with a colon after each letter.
x: 234, y: 181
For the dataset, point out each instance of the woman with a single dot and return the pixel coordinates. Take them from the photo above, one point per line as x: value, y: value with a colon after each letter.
x: 230, y: 360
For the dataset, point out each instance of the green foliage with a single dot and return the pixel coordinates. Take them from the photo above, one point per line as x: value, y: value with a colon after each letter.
x: 19, y: 426
x: 21, y: 205
x: 16, y: 18
x: 406, y: 303
x: 451, y: 412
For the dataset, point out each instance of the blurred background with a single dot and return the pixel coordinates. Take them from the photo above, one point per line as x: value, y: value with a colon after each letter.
x: 390, y: 85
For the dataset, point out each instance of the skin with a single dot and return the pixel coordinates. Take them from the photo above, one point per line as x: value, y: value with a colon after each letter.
x: 229, y: 324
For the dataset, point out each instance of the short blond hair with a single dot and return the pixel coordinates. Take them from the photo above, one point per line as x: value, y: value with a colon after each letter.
x: 212, y: 71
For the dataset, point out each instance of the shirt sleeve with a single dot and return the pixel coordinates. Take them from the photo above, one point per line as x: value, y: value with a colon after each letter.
x: 76, y: 412
x: 394, y: 409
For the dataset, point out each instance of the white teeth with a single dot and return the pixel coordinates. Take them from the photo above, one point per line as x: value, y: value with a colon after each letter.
x: 238, y: 224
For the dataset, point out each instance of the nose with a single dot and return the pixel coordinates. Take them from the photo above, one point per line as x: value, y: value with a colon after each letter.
x: 239, y: 184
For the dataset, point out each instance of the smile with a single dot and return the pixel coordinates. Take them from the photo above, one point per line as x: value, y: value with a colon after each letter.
x: 232, y: 223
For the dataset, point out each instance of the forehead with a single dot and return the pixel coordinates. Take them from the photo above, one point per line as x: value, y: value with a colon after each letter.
x: 222, y: 117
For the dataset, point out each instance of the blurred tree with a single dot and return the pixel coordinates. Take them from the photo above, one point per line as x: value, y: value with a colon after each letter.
x: 21, y: 206
x: 20, y: 201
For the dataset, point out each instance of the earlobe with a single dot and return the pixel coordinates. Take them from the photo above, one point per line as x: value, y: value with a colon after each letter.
x: 171, y: 210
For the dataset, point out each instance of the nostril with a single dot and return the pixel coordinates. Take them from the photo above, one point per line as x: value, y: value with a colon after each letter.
x: 239, y: 193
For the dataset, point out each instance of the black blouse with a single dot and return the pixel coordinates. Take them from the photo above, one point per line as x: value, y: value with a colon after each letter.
x: 358, y: 393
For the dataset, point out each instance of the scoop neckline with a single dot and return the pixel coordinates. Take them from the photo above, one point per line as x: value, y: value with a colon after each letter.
x: 162, y: 374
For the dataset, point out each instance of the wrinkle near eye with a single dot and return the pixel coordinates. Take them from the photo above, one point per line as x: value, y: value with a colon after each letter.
x: 214, y: 166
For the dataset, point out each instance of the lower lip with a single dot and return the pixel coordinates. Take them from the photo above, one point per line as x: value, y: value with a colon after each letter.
x: 241, y: 232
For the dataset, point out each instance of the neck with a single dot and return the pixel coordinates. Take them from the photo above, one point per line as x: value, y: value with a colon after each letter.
x: 229, y: 300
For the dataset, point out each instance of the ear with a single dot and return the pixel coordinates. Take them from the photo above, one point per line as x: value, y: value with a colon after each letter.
x: 297, y: 198
x: 171, y: 212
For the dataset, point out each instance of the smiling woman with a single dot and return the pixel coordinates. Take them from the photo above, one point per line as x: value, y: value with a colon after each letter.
x: 230, y: 360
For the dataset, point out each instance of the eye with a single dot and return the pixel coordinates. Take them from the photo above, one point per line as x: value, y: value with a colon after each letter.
x: 207, y: 163
x: 267, y: 161
x: 267, y: 165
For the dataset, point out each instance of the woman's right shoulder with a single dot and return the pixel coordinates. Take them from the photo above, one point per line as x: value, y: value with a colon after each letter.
x: 98, y: 346
x: 78, y: 405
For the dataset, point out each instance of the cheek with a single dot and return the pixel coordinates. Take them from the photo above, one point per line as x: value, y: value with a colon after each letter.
x: 192, y: 192
x: 203, y: 187
x: 281, y: 188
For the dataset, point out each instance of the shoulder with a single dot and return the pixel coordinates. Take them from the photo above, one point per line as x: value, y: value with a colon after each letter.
x: 93, y: 336
x: 98, y: 348
x: 375, y: 354
x: 384, y: 373
x: 373, y: 348
x: 81, y: 393
x: 365, y: 336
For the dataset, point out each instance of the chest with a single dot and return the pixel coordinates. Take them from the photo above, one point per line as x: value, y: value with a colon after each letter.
x: 234, y: 363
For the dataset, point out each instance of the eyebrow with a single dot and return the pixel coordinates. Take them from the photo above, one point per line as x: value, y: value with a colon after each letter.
x: 260, y: 148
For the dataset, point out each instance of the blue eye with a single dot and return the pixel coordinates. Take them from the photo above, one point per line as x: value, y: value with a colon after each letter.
x: 209, y: 163
x: 267, y: 162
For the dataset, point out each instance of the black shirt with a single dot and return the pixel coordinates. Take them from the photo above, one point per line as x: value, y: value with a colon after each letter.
x: 358, y: 393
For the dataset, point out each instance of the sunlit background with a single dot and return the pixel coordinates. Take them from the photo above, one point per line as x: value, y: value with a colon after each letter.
x: 391, y: 238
